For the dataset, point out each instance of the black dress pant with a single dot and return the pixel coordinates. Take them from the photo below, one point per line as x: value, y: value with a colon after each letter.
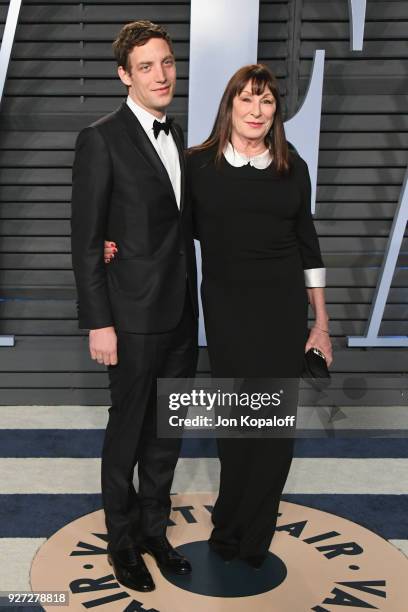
x: 253, y: 474
x: 131, y: 437
x: 253, y: 470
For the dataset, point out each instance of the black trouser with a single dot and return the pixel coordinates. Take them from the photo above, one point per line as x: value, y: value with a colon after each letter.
x: 130, y: 436
x: 253, y: 474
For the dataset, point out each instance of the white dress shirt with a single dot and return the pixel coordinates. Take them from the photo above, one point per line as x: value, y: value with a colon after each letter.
x: 314, y: 277
x: 164, y: 145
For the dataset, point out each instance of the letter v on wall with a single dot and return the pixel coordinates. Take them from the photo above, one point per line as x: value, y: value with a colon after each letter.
x: 5, y: 53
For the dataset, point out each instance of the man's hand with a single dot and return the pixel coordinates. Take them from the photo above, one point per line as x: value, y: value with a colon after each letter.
x: 103, y: 345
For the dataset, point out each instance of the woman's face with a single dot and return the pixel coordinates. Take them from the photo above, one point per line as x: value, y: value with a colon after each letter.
x: 252, y: 115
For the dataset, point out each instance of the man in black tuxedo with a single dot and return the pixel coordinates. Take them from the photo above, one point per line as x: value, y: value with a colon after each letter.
x: 141, y: 310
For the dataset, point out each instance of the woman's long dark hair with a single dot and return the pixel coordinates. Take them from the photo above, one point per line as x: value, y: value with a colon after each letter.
x: 261, y: 78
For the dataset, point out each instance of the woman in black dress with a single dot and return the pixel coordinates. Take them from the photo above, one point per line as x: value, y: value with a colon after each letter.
x: 261, y: 264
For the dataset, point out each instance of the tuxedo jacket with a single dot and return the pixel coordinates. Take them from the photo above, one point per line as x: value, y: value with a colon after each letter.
x: 121, y: 191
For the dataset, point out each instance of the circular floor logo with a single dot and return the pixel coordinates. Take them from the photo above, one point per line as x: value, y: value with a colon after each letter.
x: 317, y: 562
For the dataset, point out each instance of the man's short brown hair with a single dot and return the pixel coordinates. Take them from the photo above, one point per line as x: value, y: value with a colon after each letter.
x: 136, y: 34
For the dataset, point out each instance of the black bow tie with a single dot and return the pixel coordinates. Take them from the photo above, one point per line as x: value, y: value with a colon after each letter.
x: 158, y: 126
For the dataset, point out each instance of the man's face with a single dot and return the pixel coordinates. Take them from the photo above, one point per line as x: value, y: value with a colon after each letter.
x: 152, y: 77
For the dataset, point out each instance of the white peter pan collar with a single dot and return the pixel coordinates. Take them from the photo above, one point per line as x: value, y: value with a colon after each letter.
x: 236, y: 159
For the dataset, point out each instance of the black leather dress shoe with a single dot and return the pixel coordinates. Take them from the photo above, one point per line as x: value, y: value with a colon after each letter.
x: 166, y: 556
x: 130, y: 569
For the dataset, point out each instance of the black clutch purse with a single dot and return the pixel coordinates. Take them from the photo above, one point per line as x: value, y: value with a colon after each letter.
x: 315, y: 369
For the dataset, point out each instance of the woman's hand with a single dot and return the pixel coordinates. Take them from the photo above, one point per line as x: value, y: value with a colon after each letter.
x: 109, y: 250
x: 321, y: 340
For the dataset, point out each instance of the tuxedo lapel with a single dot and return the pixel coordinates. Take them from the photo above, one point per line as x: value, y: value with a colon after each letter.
x: 141, y: 141
x: 180, y: 149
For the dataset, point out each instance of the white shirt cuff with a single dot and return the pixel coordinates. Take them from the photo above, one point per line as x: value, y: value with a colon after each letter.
x: 315, y: 277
